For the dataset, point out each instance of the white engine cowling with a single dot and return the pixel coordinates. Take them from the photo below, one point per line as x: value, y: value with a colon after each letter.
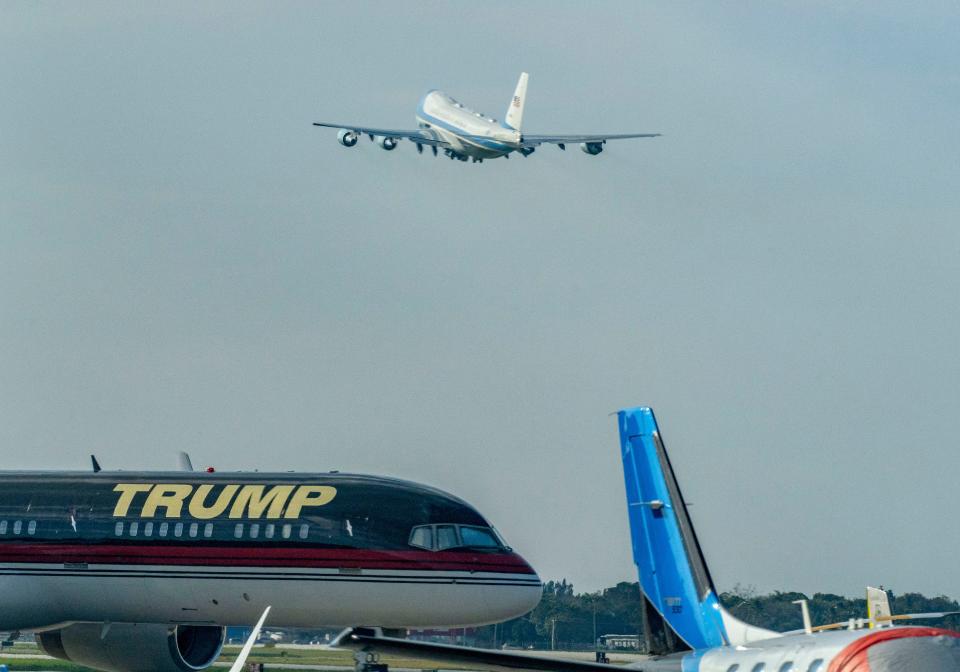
x: 347, y: 138
x: 592, y: 148
x: 135, y: 647
x: 387, y: 142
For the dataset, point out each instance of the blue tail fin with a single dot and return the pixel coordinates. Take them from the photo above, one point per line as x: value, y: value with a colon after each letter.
x: 673, y: 573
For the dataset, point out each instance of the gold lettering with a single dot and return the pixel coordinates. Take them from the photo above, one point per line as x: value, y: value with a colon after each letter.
x: 170, y: 496
x: 127, y: 492
x: 199, y: 508
x: 309, y: 495
x: 252, y: 498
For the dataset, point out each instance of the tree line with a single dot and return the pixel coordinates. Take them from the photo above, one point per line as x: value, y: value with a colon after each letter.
x: 568, y: 620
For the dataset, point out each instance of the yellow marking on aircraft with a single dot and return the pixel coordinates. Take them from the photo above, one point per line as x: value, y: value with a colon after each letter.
x: 127, y: 492
x: 170, y: 496
x: 253, y: 499
x: 243, y: 501
x: 309, y: 495
x: 198, y: 507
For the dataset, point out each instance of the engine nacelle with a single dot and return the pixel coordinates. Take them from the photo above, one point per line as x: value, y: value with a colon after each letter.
x: 592, y: 148
x: 347, y: 138
x: 386, y: 142
x: 135, y: 647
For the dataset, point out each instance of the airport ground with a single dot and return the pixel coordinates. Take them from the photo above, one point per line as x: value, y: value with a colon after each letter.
x: 277, y: 658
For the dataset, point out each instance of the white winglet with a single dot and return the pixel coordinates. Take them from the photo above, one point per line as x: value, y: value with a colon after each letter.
x: 184, y: 460
x: 251, y: 640
x: 878, y: 608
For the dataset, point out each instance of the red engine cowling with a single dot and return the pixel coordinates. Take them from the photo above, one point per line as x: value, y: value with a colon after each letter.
x: 896, y: 649
x: 135, y: 647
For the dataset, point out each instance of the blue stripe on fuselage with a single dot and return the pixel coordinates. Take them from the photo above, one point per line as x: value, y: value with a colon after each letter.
x: 491, y: 144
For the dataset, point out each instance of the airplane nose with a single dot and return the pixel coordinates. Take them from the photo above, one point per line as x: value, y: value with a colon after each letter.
x: 524, y: 592
x: 902, y: 649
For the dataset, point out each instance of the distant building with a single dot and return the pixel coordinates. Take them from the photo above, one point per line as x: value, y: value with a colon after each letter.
x: 620, y: 641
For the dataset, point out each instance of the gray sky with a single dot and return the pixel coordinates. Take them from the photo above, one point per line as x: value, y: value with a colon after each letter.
x: 186, y: 263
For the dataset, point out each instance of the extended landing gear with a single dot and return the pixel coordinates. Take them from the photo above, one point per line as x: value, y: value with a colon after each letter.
x: 368, y: 662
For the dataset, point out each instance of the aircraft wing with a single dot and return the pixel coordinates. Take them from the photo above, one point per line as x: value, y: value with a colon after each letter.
x: 421, y: 136
x: 489, y: 660
x: 537, y: 140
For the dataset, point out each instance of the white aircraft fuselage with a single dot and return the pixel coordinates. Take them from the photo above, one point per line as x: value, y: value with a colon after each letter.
x: 469, y: 133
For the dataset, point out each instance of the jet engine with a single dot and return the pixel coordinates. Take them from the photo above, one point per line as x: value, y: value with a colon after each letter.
x: 143, y: 647
x: 347, y: 138
x: 592, y: 148
x: 387, y: 142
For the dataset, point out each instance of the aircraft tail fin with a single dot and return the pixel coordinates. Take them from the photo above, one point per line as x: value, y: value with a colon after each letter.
x: 672, y: 570
x: 514, y: 117
x: 878, y: 608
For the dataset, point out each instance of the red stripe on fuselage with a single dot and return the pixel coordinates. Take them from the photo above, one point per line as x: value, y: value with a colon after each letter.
x: 854, y: 657
x: 262, y: 556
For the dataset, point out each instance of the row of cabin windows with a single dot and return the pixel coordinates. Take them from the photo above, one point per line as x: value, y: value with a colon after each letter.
x: 17, y: 527
x: 815, y: 666
x: 193, y: 530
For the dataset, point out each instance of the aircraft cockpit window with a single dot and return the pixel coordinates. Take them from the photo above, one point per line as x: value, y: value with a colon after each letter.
x: 446, y: 537
x: 478, y: 536
x: 422, y: 537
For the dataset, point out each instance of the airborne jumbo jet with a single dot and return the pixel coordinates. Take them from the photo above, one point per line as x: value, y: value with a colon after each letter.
x: 464, y: 134
x: 112, y: 569
x: 680, y: 597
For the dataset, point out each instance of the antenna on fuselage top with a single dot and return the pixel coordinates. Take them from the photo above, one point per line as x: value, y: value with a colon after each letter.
x: 96, y: 465
x: 185, y: 463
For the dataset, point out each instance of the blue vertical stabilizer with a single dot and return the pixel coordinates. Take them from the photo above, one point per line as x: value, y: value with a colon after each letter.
x: 672, y: 570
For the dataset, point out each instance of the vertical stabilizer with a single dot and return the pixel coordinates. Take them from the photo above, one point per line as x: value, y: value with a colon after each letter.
x: 514, y: 117
x: 673, y: 573
x: 878, y: 608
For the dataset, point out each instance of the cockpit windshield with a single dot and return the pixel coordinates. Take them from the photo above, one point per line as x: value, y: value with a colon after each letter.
x: 444, y: 537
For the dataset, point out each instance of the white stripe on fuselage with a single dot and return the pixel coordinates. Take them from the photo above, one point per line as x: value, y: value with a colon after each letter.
x: 38, y: 595
x: 452, y: 121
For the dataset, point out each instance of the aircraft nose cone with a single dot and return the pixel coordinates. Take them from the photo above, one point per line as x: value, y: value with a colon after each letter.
x: 902, y: 650
x: 524, y: 593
